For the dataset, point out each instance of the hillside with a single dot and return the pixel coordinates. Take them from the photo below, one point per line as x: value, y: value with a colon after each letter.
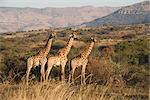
x: 134, y: 14
x: 20, y: 19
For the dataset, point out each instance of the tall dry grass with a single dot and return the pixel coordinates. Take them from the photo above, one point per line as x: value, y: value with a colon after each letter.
x: 56, y: 90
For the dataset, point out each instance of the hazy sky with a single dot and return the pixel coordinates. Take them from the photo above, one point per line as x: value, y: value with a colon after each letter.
x: 64, y: 3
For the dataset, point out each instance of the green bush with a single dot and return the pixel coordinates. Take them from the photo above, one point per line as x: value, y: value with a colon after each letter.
x: 133, y: 52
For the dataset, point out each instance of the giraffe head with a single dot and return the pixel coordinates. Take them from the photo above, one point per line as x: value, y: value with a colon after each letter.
x: 52, y: 34
x: 93, y: 39
x: 73, y: 35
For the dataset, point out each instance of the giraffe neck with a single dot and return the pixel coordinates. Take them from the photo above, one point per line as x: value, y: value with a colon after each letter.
x: 88, y: 50
x: 48, y: 46
x: 66, y: 50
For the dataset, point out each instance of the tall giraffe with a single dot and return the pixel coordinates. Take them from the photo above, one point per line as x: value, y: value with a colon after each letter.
x: 60, y: 59
x: 40, y: 58
x: 82, y: 60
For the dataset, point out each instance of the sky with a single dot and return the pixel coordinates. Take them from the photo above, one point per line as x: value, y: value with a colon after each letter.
x: 65, y: 3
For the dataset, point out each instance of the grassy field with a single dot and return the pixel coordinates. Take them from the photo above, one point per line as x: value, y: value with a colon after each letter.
x: 126, y: 63
x: 55, y: 90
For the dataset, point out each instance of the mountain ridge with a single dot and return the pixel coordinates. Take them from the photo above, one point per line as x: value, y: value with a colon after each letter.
x: 138, y: 13
x: 20, y: 19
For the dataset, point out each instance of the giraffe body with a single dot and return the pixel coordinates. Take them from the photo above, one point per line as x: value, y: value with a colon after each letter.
x: 60, y: 59
x: 82, y: 60
x: 39, y: 59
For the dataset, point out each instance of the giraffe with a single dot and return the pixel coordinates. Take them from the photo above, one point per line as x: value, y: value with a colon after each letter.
x: 40, y: 58
x: 82, y: 60
x: 61, y: 58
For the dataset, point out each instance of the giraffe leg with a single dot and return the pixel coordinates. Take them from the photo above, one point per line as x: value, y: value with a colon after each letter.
x: 73, y: 70
x: 83, y: 73
x: 29, y: 66
x: 43, y: 69
x: 49, y: 67
x: 63, y: 70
